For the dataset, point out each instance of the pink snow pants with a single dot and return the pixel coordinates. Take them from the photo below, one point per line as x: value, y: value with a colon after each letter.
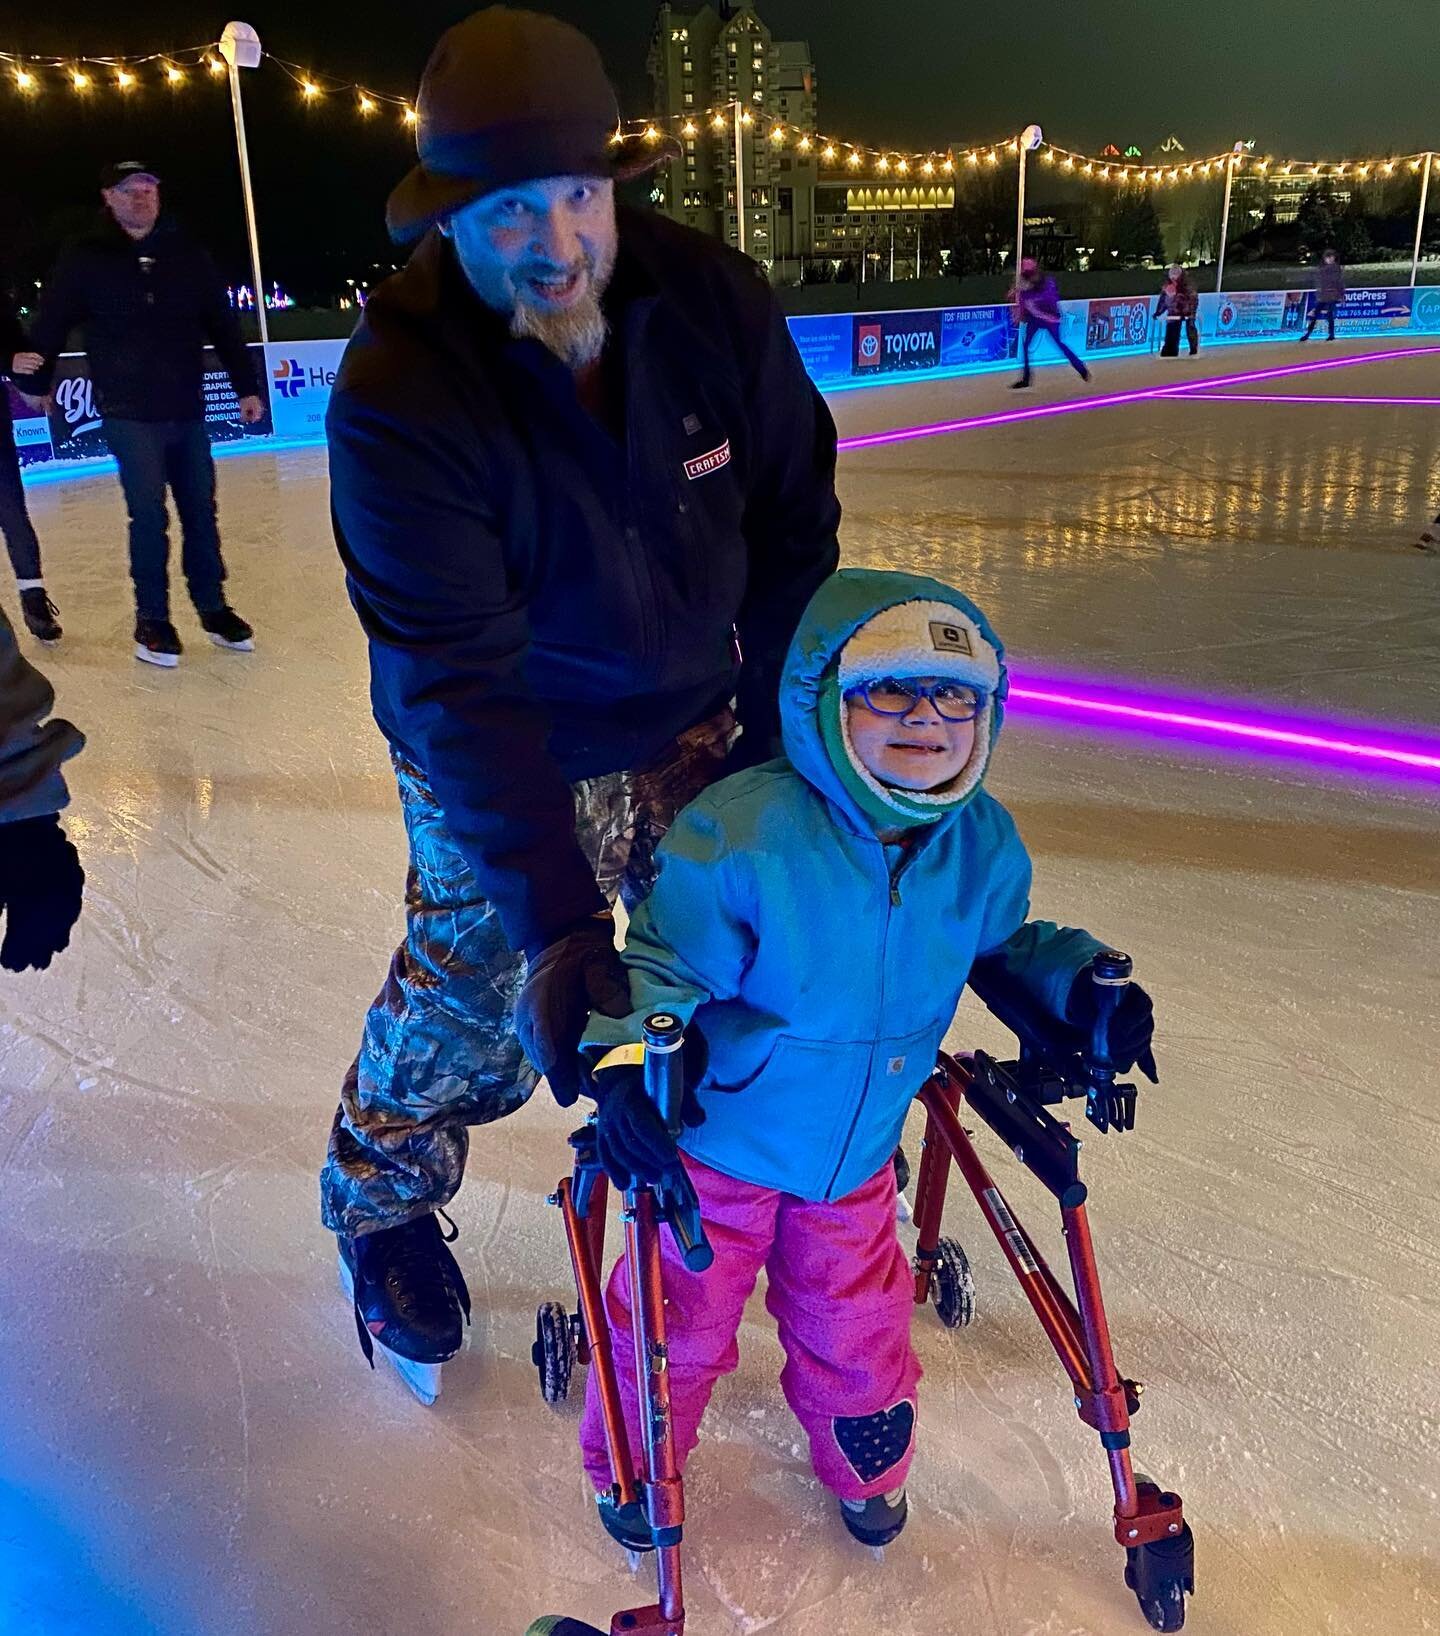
x: 841, y: 1293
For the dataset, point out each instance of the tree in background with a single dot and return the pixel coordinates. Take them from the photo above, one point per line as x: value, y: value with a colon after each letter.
x: 1129, y: 231
x: 1317, y: 220
x: 1352, y: 230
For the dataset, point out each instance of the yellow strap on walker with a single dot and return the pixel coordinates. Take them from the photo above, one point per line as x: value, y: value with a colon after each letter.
x: 622, y: 1056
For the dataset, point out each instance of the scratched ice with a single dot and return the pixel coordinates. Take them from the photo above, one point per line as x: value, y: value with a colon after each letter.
x: 193, y: 1445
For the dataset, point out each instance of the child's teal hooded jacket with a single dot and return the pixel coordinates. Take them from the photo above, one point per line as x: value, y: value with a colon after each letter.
x: 823, y: 966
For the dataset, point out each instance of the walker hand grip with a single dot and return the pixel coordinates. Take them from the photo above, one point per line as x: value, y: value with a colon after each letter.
x: 663, y: 1035
x: 1108, y: 1104
x: 681, y: 1210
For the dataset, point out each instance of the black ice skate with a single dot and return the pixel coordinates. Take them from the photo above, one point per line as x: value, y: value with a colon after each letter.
x: 39, y: 614
x: 226, y: 629
x: 409, y: 1295
x: 876, y: 1522
x: 157, y: 642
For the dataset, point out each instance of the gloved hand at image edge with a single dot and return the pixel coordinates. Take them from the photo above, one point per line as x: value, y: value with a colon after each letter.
x: 41, y: 888
x: 1132, y: 1023
x: 576, y: 973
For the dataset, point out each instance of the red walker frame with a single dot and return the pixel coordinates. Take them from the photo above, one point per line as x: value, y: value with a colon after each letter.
x: 1145, y: 1516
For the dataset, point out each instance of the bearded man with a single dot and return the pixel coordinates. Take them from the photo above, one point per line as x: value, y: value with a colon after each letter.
x: 582, y: 488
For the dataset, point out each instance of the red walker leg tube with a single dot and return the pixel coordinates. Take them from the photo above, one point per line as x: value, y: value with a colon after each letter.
x: 664, y: 1488
x: 579, y: 1237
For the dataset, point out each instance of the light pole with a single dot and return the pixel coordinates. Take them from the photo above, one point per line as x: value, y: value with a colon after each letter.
x: 1420, y: 217
x: 1030, y: 139
x: 240, y: 47
x: 1230, y: 163
x: 739, y: 178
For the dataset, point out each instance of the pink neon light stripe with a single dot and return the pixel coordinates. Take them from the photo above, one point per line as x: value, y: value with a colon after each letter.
x: 1302, y: 397
x: 1185, y: 721
x: 1043, y: 411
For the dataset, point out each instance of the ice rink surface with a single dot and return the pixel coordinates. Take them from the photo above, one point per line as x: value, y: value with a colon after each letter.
x: 191, y: 1444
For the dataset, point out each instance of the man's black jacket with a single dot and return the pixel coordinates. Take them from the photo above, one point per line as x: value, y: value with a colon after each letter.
x: 146, y: 308
x: 545, y: 601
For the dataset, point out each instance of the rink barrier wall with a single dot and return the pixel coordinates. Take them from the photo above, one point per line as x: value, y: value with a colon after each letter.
x: 841, y: 351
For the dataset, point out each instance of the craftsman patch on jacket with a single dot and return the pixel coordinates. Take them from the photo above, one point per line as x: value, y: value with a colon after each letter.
x: 703, y: 464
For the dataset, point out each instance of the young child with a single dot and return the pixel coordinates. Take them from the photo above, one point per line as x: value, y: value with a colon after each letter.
x: 817, y: 918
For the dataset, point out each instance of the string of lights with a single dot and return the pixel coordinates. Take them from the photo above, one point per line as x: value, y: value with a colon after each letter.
x: 31, y: 73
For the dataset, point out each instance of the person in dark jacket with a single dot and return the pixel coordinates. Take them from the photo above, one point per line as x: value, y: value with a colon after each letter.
x: 582, y: 488
x: 39, y: 612
x: 1329, y: 293
x: 1036, y: 302
x: 147, y: 300
x: 1178, y: 304
x: 41, y: 881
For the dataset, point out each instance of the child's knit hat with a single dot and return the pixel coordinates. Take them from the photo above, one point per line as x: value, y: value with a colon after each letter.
x: 916, y: 638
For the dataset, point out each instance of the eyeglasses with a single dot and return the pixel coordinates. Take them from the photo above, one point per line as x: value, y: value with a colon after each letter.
x: 899, y: 695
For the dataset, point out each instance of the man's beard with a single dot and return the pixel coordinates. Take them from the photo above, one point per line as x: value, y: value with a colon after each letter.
x: 576, y: 335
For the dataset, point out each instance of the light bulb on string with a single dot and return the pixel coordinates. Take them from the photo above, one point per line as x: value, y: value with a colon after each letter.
x: 173, y: 74
x: 903, y: 167
x: 928, y: 168
x: 718, y: 123
x: 215, y: 65
x: 1069, y: 162
x: 366, y: 104
x: 1048, y: 156
x: 972, y: 158
x: 882, y: 164
x: 747, y: 118
x: 24, y: 80
x: 804, y: 144
x: 309, y: 89
x: 124, y: 79
x: 948, y: 166
x: 829, y: 153
x: 409, y: 117
x: 854, y: 158
x: 689, y: 128
x: 79, y: 79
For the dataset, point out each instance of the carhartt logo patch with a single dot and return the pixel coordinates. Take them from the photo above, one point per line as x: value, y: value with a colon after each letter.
x: 896, y: 1065
x: 950, y: 638
x: 703, y: 464
x: 691, y: 423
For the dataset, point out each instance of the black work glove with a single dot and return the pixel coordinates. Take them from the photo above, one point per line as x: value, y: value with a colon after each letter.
x: 41, y: 883
x: 578, y: 973
x: 633, y: 1144
x: 1132, y: 1023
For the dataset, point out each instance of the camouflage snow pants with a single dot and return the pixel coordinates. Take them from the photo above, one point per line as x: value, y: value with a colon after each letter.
x: 439, y: 1051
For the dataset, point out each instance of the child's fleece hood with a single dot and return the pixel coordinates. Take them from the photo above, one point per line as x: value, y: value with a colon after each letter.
x: 866, y: 622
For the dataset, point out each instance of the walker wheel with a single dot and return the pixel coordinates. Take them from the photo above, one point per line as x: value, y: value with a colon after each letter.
x: 553, y: 1353
x: 952, y: 1288
x: 1161, y: 1574
x: 551, y: 1624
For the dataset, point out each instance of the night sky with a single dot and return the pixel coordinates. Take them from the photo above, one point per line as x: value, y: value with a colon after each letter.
x: 1323, y: 79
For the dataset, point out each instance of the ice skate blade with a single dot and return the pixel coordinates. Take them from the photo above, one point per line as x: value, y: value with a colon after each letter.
x: 423, y: 1379
x: 166, y: 661
x: 247, y: 646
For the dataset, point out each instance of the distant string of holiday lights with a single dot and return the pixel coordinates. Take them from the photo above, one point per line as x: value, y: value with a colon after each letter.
x: 30, y: 74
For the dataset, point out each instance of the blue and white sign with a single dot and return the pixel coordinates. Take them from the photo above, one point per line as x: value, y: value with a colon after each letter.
x: 975, y: 335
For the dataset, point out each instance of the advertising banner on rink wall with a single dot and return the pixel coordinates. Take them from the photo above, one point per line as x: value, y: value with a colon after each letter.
x: 73, y: 431
x: 838, y: 350
x: 1368, y: 312
x: 300, y: 375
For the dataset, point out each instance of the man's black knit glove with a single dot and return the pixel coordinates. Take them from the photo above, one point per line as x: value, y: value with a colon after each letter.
x: 41, y: 883
x: 1132, y: 1023
x: 578, y: 973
